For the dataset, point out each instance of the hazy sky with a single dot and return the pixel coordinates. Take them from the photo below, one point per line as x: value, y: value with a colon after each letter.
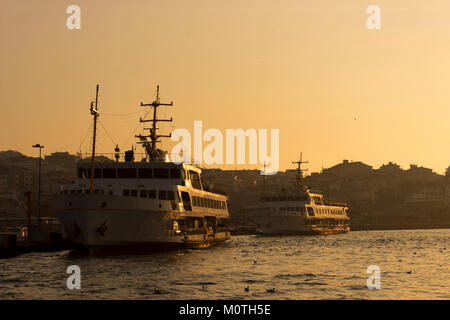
x: 335, y: 89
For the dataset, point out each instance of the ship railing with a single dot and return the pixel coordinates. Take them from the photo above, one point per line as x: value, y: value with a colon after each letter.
x: 111, y: 157
x: 334, y: 203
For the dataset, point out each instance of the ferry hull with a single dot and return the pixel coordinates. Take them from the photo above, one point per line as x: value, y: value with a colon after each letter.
x: 292, y: 225
x: 87, y: 223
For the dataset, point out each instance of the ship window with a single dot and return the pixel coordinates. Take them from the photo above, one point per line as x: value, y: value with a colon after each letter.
x: 87, y: 191
x: 145, y: 173
x: 134, y: 193
x: 186, y: 200
x: 79, y: 191
x: 152, y: 194
x: 162, y: 195
x: 143, y: 193
x: 126, y: 173
x: 109, y: 173
x: 170, y: 195
x: 111, y: 192
x: 310, y: 211
x: 126, y: 193
x: 195, y: 180
x: 175, y: 173
x: 97, y: 173
x: 81, y: 173
x: 161, y: 173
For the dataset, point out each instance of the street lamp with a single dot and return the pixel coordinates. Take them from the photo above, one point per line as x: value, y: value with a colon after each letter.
x: 39, y: 182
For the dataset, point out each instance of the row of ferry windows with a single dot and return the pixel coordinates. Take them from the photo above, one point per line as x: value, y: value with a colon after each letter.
x: 326, y: 222
x: 162, y: 194
x: 131, y: 173
x: 152, y: 194
x: 318, y: 211
x: 328, y: 211
x: 208, y: 203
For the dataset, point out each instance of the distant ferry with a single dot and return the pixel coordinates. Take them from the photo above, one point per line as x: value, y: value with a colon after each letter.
x: 141, y: 203
x: 300, y: 211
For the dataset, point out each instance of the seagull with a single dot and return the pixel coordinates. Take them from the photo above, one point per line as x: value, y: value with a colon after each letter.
x: 409, y: 272
x: 247, y: 289
x: 400, y: 260
x: 271, y: 290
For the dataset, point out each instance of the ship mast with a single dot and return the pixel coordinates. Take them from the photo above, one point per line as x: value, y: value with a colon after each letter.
x: 150, y: 147
x: 95, y: 114
x: 300, y: 171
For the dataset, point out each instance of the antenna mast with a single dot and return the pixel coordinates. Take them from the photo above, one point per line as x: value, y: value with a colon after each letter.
x: 264, y: 185
x: 95, y: 114
x: 300, y: 171
x: 151, y: 146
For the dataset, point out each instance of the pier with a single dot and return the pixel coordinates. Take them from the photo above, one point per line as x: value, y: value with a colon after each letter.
x: 19, y: 236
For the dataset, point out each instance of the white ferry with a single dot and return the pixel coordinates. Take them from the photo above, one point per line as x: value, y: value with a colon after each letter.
x: 300, y: 211
x: 141, y: 203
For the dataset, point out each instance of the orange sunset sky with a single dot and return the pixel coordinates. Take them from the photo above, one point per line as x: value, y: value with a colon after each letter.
x: 312, y: 69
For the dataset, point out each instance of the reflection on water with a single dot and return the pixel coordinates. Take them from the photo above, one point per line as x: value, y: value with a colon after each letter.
x: 414, y: 265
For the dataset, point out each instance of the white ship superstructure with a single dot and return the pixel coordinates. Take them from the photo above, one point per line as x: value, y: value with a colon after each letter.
x: 147, y: 202
x: 300, y: 211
